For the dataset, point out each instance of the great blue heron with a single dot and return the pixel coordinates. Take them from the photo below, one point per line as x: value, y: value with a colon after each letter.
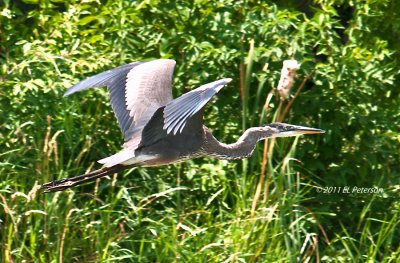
x: 159, y: 130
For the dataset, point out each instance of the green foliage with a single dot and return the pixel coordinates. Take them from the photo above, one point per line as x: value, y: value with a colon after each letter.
x: 264, y: 209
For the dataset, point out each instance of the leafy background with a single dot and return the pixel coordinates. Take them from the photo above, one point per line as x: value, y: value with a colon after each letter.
x: 272, y: 207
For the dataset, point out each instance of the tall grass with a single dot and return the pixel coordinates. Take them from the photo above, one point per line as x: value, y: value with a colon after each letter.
x: 279, y: 188
x: 106, y: 222
x: 262, y: 209
x: 198, y: 211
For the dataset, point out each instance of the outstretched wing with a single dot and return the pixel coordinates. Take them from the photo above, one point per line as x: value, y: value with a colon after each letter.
x: 185, y: 111
x: 178, y: 111
x: 136, y: 91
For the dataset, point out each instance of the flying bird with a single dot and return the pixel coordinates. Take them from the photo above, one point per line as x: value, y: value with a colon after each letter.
x: 160, y: 130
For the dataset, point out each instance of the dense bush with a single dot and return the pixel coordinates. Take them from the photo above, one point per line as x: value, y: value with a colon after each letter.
x: 263, y: 209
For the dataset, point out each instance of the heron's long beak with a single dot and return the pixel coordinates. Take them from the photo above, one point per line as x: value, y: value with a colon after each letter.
x: 287, y: 130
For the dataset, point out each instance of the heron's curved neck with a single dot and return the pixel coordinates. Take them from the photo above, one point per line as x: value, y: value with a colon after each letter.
x: 243, y: 148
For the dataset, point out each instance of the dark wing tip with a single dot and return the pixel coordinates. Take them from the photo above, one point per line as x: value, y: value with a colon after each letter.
x: 102, y: 79
x: 78, y: 87
x: 68, y: 92
x: 225, y: 81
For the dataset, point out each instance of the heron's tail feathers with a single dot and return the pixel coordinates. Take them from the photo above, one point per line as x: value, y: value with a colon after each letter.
x: 63, y: 184
x: 118, y: 158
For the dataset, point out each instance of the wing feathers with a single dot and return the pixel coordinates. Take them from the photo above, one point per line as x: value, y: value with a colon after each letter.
x: 148, y: 87
x: 102, y: 79
x: 136, y: 91
x: 178, y: 111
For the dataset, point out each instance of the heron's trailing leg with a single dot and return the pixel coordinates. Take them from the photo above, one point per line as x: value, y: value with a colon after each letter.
x: 63, y: 184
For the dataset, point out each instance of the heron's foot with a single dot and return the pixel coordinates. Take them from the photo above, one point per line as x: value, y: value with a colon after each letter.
x: 57, y: 185
x: 63, y: 184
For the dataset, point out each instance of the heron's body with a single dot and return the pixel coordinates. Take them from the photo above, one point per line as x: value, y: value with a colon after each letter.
x: 160, y: 130
x: 188, y: 144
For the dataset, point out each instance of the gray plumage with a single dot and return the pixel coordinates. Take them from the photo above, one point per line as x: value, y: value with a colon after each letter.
x: 158, y: 129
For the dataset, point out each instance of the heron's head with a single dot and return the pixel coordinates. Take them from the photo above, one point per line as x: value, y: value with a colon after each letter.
x: 287, y: 130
